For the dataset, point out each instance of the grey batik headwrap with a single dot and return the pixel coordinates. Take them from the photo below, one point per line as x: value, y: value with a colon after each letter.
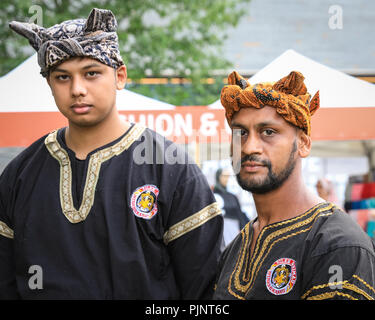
x: 94, y: 37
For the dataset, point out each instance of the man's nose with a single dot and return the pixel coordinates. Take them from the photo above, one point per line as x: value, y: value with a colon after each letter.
x: 78, y: 87
x: 252, y: 145
x: 240, y: 148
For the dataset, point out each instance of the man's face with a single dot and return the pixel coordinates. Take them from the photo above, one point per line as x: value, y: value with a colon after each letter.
x: 85, y: 90
x: 268, y: 149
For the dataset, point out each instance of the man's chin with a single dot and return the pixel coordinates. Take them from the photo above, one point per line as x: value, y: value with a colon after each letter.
x: 253, y: 184
x: 259, y: 184
x: 83, y: 123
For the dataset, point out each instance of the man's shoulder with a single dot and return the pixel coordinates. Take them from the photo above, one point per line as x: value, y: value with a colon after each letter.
x: 25, y: 156
x: 335, y: 229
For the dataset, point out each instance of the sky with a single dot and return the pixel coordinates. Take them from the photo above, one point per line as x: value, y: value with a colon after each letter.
x: 339, y: 34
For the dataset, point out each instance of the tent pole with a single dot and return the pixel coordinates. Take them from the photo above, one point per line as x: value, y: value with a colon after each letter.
x: 369, y: 152
x: 197, y: 154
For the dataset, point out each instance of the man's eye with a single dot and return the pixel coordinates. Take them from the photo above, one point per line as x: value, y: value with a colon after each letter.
x: 92, y: 73
x: 268, y: 132
x: 239, y: 132
x: 62, y: 77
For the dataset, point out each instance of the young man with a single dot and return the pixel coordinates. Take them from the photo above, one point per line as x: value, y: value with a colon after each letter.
x: 299, y: 246
x: 82, y: 216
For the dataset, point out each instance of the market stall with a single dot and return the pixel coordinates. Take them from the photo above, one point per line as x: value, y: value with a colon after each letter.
x: 28, y: 110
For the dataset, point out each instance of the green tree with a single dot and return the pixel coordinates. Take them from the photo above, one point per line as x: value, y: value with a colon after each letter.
x: 158, y: 38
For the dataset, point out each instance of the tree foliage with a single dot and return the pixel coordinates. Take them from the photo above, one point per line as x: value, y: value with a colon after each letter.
x: 179, y: 38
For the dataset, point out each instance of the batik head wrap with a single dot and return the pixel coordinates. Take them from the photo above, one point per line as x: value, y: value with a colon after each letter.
x: 94, y: 37
x: 288, y: 95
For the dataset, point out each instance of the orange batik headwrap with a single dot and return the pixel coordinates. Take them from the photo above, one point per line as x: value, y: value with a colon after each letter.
x: 288, y: 95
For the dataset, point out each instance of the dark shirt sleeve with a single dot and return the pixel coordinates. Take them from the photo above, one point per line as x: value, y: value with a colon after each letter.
x: 194, y: 237
x: 8, y: 289
x: 345, y: 273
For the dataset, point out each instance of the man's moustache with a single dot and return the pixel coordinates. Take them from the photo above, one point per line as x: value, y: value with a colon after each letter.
x: 254, y: 158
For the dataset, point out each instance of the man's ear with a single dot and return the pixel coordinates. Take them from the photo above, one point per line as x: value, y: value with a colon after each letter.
x: 121, y: 76
x: 304, y: 144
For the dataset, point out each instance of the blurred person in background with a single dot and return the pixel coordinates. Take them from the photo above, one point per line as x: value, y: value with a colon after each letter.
x: 234, y: 218
x: 326, y: 190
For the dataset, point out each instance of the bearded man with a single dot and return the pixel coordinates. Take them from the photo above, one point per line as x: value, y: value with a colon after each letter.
x: 299, y: 246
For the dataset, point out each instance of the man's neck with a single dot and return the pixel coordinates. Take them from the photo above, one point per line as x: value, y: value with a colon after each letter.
x: 288, y: 201
x: 83, y: 140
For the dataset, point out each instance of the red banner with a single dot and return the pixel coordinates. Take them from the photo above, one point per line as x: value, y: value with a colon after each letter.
x: 188, y: 124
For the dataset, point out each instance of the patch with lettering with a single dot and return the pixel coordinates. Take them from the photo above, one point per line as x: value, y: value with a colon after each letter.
x: 143, y: 201
x: 281, y: 276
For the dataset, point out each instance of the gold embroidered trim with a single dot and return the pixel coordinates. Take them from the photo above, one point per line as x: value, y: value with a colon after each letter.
x: 245, y: 241
x: 262, y: 255
x: 93, y: 170
x: 345, y: 284
x: 294, y: 226
x: 354, y: 288
x: 6, y: 231
x: 250, y: 276
x: 280, y: 239
x: 191, y: 223
x: 321, y: 286
x: 329, y: 295
x: 364, y: 282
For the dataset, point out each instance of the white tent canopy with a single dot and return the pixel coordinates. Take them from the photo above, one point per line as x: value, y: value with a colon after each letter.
x: 336, y: 89
x: 25, y: 90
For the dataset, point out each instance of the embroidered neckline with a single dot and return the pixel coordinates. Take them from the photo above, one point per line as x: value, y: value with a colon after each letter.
x: 246, y: 268
x: 93, y: 170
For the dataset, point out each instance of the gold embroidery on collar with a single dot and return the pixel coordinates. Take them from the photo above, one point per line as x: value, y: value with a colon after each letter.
x: 245, y: 242
x: 262, y: 255
x: 250, y: 273
x: 288, y: 221
x: 192, y: 222
x: 6, y: 231
x: 93, y: 170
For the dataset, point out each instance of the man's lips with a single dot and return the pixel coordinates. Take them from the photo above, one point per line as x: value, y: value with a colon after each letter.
x: 81, y: 108
x: 252, y: 166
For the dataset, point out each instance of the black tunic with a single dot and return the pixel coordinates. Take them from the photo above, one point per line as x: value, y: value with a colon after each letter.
x: 320, y: 254
x: 135, y: 220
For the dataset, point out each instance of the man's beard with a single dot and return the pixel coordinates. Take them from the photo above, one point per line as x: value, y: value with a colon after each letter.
x: 272, y: 181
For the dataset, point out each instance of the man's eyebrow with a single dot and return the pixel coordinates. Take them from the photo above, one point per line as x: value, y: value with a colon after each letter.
x: 235, y: 124
x: 266, y: 124
x: 258, y: 125
x: 92, y: 65
x: 59, y: 70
